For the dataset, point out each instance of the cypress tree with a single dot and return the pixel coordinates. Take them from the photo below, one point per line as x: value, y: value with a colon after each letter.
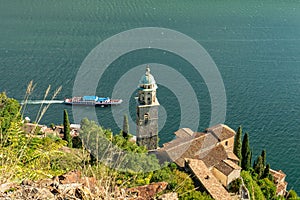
x: 237, y: 148
x: 266, y: 173
x: 125, y: 127
x: 259, y: 167
x: 67, y: 135
x: 264, y: 157
x: 251, y: 153
x: 247, y: 161
x: 246, y: 153
x: 254, y: 164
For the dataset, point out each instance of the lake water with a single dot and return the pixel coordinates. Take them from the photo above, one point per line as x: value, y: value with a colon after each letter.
x: 255, y: 45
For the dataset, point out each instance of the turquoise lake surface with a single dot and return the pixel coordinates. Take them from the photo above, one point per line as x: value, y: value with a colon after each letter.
x: 255, y: 45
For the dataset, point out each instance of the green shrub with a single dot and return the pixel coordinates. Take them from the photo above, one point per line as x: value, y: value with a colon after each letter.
x: 235, y: 185
x: 178, y: 182
x: 292, y: 195
x: 252, y: 186
x: 268, y: 188
x: 115, y: 150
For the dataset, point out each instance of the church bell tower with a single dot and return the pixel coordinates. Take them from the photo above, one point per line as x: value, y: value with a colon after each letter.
x: 147, y: 112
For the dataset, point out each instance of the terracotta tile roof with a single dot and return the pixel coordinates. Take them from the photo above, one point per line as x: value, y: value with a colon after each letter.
x: 221, y: 131
x: 189, y: 147
x: 281, y: 188
x: 208, y: 180
x: 232, y: 164
x: 177, y: 141
x: 184, y: 132
x: 279, y: 176
x: 197, y: 145
x: 232, y: 156
x: 226, y: 167
x: 213, y: 157
x: 208, y: 142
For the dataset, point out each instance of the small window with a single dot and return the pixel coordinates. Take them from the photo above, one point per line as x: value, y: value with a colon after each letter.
x: 146, y: 117
x: 226, y: 143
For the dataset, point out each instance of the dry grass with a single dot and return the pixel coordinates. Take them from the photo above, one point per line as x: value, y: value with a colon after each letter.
x: 13, y: 170
x: 12, y: 156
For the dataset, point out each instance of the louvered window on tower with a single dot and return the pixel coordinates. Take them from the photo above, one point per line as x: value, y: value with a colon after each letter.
x: 146, y: 117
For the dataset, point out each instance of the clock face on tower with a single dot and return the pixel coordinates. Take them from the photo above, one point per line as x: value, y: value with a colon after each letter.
x: 147, y: 112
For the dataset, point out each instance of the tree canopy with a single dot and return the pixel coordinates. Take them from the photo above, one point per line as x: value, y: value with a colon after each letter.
x: 67, y: 131
x: 125, y: 130
x: 259, y: 166
x: 9, y: 113
x: 115, y: 150
x: 237, y: 148
x: 246, y: 153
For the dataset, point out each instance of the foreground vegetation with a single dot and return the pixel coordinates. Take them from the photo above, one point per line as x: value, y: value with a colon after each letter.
x: 112, y: 159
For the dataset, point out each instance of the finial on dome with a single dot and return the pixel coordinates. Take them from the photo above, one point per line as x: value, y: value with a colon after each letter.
x: 147, y: 70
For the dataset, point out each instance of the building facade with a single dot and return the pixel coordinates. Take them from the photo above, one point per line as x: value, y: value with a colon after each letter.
x: 147, y: 112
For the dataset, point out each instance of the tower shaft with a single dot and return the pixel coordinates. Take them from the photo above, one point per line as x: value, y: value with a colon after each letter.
x: 147, y: 112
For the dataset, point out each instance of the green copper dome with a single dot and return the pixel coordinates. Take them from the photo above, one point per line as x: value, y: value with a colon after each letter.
x: 147, y: 78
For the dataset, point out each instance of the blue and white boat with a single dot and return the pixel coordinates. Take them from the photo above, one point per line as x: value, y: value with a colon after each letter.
x: 92, y: 101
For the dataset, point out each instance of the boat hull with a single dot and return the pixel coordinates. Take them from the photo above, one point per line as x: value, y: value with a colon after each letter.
x: 78, y: 101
